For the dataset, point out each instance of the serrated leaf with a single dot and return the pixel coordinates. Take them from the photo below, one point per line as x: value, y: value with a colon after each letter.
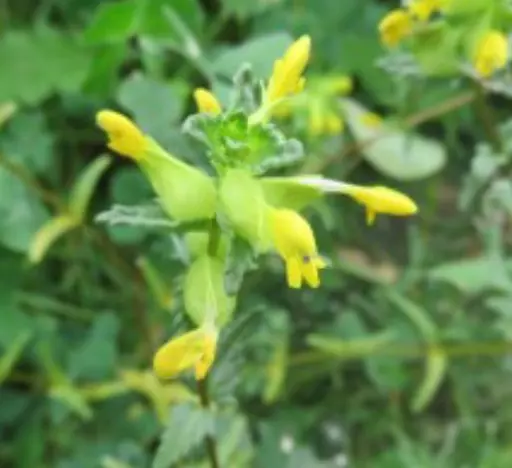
x: 186, y: 428
x: 392, y: 151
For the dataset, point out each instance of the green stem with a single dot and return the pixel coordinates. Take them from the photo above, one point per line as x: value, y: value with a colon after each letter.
x: 486, y: 116
x: 210, y: 443
x: 214, y: 238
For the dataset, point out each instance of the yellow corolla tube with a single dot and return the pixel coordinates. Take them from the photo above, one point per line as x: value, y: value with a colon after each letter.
x: 491, y: 53
x: 192, y: 350
x: 124, y: 136
x: 380, y: 199
x: 287, y: 76
x: 185, y: 192
x: 295, y: 242
x: 206, y: 102
x: 376, y: 199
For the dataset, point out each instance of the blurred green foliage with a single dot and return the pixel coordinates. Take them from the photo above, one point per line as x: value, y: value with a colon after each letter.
x: 400, y: 359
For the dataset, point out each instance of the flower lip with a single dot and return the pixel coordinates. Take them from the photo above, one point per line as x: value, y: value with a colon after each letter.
x: 124, y: 136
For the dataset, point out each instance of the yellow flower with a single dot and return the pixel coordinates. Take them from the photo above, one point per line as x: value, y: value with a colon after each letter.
x: 491, y: 53
x: 195, y: 349
x: 207, y: 102
x: 124, y: 136
x: 294, y: 240
x: 338, y: 84
x: 381, y: 200
x: 323, y: 121
x: 423, y: 9
x: 396, y: 25
x: 287, y: 77
x: 372, y: 120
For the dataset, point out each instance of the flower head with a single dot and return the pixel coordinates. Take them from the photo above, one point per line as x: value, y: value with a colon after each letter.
x: 380, y: 199
x: 124, y: 136
x: 294, y: 240
x: 491, y: 53
x: 423, y: 9
x: 195, y: 349
x: 207, y: 102
x: 395, y: 26
x: 287, y: 77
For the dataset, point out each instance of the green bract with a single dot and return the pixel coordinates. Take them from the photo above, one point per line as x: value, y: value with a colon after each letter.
x: 204, y: 292
x: 186, y: 193
x: 243, y: 202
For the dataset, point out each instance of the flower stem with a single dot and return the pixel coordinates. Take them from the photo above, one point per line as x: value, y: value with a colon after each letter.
x: 209, y: 441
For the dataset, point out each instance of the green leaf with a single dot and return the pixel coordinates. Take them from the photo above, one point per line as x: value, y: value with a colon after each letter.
x: 394, y: 152
x: 240, y: 260
x: 174, y: 21
x: 276, y: 371
x: 436, y: 360
x: 155, y: 105
x: 13, y: 352
x: 101, y: 341
x: 471, y: 276
x: 186, y: 428
x: 436, y: 48
x: 7, y: 110
x: 260, y: 53
x: 52, y: 62
x: 204, y: 293
x: 130, y: 187
x: 21, y: 214
x: 84, y: 186
x: 103, y: 76
x: 49, y: 233
x: 350, y: 349
x: 146, y: 216
x: 113, y: 22
x: 36, y: 152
